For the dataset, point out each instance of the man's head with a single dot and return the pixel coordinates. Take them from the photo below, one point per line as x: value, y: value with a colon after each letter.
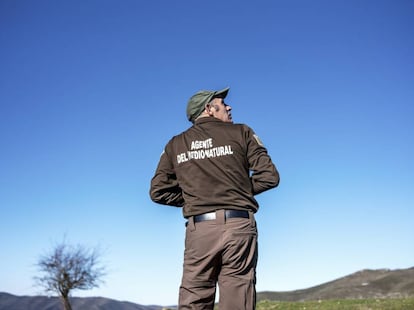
x: 209, y: 103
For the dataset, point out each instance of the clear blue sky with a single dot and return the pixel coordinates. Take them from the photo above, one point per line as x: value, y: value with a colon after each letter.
x: 91, y: 91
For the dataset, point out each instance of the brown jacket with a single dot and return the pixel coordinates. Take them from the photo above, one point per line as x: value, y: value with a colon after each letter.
x: 213, y: 165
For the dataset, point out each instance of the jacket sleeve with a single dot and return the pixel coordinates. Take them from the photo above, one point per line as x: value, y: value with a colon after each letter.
x: 264, y: 174
x: 164, y: 185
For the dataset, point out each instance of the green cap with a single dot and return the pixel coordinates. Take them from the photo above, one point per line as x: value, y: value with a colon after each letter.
x: 198, y: 101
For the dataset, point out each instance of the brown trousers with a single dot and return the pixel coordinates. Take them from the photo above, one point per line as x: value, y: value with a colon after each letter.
x: 222, y: 251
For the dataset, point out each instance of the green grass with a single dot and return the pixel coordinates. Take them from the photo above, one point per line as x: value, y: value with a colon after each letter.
x: 351, y: 304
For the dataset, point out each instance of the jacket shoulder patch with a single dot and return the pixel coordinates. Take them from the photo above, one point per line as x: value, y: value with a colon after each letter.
x: 256, y: 137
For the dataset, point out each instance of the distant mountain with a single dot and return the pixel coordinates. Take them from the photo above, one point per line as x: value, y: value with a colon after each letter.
x: 11, y: 302
x: 382, y: 283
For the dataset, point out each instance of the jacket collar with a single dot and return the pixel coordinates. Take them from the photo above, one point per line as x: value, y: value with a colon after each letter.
x: 210, y: 119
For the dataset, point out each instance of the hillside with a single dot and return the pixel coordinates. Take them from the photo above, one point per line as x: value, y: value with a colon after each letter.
x: 11, y: 302
x: 383, y: 283
x: 366, y: 284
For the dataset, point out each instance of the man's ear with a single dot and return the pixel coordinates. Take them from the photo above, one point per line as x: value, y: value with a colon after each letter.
x: 208, y: 109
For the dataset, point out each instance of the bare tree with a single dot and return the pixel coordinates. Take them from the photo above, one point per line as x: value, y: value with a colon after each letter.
x: 66, y: 268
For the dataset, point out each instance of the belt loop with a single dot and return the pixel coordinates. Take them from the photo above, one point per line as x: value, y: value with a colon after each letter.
x: 191, y: 224
x: 252, y: 219
x: 220, y: 216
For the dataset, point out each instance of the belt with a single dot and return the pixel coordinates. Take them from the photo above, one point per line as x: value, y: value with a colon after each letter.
x: 227, y: 214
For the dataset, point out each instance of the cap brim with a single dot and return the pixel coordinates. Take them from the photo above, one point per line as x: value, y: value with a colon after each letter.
x: 221, y: 93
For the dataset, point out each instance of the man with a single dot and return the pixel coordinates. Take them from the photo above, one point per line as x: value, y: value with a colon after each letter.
x: 213, y: 170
